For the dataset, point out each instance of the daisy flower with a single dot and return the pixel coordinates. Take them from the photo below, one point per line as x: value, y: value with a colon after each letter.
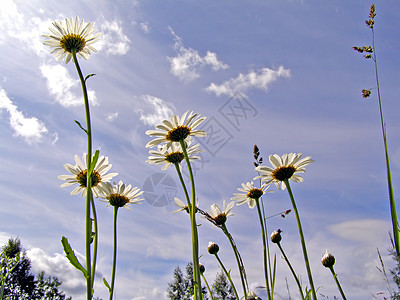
x: 250, y: 194
x: 284, y: 168
x: 176, y: 129
x: 218, y: 216
x: 71, y: 37
x: 167, y: 156
x: 120, y: 195
x: 79, y: 175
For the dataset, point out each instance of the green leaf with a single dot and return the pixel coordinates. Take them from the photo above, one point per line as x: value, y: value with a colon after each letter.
x: 94, y: 161
x: 69, y: 253
x: 80, y: 126
x: 106, y: 284
x: 88, y: 76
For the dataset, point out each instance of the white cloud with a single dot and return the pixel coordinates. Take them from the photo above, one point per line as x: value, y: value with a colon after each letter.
x: 145, y: 27
x: 113, y: 40
x: 160, y: 110
x: 111, y: 116
x: 58, y: 266
x: 61, y: 85
x: 188, y: 62
x: 259, y: 80
x: 27, y: 30
x: 30, y: 129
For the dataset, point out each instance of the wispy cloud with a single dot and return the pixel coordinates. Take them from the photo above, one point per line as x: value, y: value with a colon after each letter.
x: 30, y: 129
x: 188, y: 62
x: 159, y: 110
x: 258, y: 80
x: 61, y: 85
x: 113, y: 40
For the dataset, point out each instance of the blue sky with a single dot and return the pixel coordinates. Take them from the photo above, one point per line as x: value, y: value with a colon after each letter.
x: 289, y: 64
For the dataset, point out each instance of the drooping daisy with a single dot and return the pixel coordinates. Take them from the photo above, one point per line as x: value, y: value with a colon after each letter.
x: 79, y: 175
x: 176, y: 129
x: 218, y: 216
x: 120, y: 195
x: 284, y: 168
x: 249, y: 194
x: 71, y: 37
x: 182, y: 206
x: 167, y: 156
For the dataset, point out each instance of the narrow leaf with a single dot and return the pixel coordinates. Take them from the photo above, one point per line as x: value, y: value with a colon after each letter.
x: 88, y: 76
x: 94, y: 161
x: 80, y: 126
x: 106, y: 284
x: 69, y: 253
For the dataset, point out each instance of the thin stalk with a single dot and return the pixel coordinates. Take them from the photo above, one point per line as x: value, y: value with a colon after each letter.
x: 238, y: 261
x: 195, y: 239
x: 228, y: 276
x: 393, y: 211
x: 95, y: 240
x: 292, y: 270
x: 303, y: 242
x: 178, y: 170
x: 337, y: 283
x: 208, y: 287
x: 114, y: 266
x: 260, y: 216
x: 89, y: 281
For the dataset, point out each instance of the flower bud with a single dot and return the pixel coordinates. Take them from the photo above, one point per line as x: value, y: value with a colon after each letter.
x: 276, y: 236
x: 252, y: 296
x: 213, y: 248
x: 328, y: 260
x: 202, y: 268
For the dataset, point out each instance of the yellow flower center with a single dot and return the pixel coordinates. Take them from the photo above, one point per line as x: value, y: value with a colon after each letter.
x: 118, y: 200
x: 178, y: 133
x: 174, y: 157
x: 82, y: 178
x: 72, y: 42
x: 284, y: 172
x: 255, y: 193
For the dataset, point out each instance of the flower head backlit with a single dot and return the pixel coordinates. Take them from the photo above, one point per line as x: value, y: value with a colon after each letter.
x: 249, y: 194
x: 120, y: 195
x: 71, y: 37
x: 284, y: 168
x: 79, y: 175
x: 167, y: 155
x: 176, y: 129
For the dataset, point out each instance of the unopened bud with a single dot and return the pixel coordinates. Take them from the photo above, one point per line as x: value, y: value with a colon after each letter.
x: 328, y: 260
x: 252, y: 296
x: 276, y: 236
x: 202, y: 268
x: 213, y: 248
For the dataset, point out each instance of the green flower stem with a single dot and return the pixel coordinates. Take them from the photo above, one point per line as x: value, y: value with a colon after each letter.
x: 178, y: 170
x: 260, y: 216
x: 292, y: 270
x: 303, y: 242
x: 95, y: 239
x: 393, y: 211
x: 238, y: 260
x: 89, y: 280
x: 228, y: 276
x: 114, y: 266
x: 208, y: 287
x: 195, y: 239
x: 337, y: 283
